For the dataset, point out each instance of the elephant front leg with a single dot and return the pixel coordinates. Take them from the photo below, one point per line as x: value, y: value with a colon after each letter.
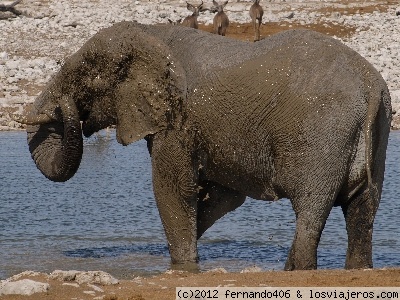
x: 175, y: 189
x: 303, y: 253
x: 311, y: 214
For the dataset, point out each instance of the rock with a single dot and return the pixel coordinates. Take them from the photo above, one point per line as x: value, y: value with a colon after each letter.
x: 12, y: 64
x: 3, y: 55
x: 25, y: 274
x: 71, y: 284
x: 96, y: 288
x: 253, y: 269
x: 291, y: 15
x: 92, y: 293
x: 97, y: 277
x: 64, y: 275
x: 15, y: 125
x: 395, y: 97
x: 396, y: 116
x: 217, y: 270
x: 26, y: 287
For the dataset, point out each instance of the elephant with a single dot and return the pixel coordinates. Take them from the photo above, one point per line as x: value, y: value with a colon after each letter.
x: 298, y: 115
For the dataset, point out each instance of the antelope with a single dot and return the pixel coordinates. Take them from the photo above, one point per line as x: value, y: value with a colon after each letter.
x: 177, y: 22
x: 221, y: 21
x: 191, y: 21
x: 256, y: 13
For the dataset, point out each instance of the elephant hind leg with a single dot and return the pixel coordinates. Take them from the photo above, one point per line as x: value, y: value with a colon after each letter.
x: 360, y: 209
x: 359, y: 214
x: 214, y: 202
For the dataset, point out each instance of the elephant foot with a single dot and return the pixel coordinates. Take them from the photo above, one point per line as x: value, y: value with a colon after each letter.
x: 291, y: 266
x: 350, y: 266
x: 359, y: 260
x: 191, y: 267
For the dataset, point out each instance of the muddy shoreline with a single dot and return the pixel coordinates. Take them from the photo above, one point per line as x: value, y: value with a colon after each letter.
x: 164, y: 286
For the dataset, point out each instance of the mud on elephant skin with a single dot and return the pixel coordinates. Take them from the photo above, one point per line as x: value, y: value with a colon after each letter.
x: 297, y: 115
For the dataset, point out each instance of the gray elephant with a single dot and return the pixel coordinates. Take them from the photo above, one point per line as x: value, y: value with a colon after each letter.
x: 298, y: 115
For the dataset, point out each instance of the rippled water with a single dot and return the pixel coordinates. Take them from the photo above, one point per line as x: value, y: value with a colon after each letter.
x: 105, y: 218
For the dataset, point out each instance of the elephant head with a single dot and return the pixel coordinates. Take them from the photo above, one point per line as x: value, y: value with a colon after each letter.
x: 121, y: 76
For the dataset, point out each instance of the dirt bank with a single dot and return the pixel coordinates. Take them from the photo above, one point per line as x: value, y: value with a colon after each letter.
x: 163, y: 286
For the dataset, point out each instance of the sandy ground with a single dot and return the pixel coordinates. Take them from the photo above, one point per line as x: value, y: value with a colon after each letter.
x: 163, y: 286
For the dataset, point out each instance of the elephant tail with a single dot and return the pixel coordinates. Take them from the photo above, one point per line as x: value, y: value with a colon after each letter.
x: 374, y: 104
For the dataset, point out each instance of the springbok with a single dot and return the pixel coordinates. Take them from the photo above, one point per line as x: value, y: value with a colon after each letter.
x: 221, y: 21
x: 191, y: 21
x: 256, y: 14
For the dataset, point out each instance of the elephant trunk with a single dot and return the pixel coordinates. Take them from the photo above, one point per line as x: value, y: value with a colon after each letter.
x: 56, y: 147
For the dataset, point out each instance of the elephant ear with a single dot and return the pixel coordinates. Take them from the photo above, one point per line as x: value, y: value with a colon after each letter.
x: 151, y: 96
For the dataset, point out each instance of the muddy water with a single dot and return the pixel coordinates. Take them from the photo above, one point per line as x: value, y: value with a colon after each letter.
x: 105, y: 218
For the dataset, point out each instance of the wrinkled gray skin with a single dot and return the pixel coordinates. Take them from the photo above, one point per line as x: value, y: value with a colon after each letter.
x: 297, y: 115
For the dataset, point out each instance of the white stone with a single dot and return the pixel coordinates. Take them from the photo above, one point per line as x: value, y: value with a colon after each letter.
x: 98, y: 277
x: 218, y: 270
x: 253, y: 269
x: 395, y: 95
x: 3, y: 55
x: 64, y: 275
x: 96, y: 288
x: 11, y: 80
x: 74, y: 284
x: 90, y: 292
x: 26, y: 287
x: 12, y: 64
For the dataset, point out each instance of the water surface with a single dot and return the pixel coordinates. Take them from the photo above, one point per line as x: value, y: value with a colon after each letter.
x: 105, y: 218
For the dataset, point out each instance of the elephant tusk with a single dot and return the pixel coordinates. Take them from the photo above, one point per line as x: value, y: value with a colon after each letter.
x: 32, y: 119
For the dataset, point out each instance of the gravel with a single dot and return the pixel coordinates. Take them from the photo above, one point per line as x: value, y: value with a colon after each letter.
x: 34, y: 45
